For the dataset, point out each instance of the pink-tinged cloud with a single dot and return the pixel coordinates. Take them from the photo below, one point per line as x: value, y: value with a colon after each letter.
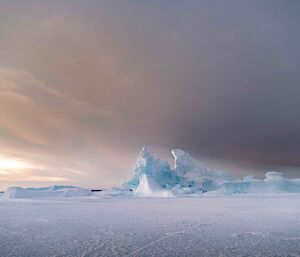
x: 84, y: 86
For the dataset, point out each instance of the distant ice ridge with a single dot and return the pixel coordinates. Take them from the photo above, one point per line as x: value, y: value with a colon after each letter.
x: 154, y: 177
x: 274, y: 182
x: 54, y: 191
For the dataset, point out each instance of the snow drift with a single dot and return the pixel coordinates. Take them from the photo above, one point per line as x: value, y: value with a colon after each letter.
x: 54, y: 191
x: 154, y: 177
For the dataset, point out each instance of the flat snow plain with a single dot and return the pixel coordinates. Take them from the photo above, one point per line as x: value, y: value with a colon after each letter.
x: 244, y: 225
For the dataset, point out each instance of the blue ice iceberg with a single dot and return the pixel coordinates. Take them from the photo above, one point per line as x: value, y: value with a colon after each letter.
x: 188, y: 176
x: 154, y: 177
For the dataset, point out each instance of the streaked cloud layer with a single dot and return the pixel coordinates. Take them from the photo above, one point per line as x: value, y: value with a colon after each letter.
x: 83, y: 85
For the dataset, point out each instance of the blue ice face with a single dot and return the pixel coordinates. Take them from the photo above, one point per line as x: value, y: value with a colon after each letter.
x: 188, y: 173
x: 153, y: 168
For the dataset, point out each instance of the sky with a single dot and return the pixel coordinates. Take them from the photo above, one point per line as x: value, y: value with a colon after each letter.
x: 84, y: 85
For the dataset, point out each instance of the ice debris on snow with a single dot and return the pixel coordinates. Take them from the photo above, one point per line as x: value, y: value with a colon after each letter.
x: 53, y: 191
x: 148, y: 187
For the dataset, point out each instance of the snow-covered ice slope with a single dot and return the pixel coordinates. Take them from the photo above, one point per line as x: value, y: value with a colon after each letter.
x: 228, y: 226
x: 54, y: 191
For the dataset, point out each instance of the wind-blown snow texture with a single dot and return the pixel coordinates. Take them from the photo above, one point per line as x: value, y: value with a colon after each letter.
x: 228, y: 226
x: 153, y: 177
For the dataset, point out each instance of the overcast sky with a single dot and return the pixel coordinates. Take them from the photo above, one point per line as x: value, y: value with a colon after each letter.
x: 85, y: 84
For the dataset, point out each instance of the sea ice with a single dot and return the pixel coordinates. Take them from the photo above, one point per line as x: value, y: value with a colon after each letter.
x: 238, y: 225
x: 54, y: 191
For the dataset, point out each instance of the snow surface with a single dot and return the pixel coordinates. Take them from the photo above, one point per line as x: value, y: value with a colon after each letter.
x: 265, y: 225
x: 54, y: 191
x: 153, y: 177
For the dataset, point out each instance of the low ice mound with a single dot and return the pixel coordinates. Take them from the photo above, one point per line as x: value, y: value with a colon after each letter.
x: 54, y: 191
x: 274, y: 182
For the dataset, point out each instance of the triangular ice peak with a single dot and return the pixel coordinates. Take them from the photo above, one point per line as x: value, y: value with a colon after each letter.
x: 153, y: 168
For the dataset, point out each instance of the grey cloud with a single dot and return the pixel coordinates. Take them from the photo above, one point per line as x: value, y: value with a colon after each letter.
x: 96, y: 81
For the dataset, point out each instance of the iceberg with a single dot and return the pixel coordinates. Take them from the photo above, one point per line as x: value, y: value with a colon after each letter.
x: 189, y: 177
x: 152, y: 176
x: 54, y: 191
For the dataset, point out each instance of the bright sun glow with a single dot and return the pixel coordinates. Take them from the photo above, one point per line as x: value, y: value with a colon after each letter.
x: 13, y: 164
